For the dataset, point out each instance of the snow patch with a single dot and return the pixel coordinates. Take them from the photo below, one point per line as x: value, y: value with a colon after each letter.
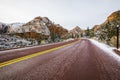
x: 107, y: 49
x: 16, y: 25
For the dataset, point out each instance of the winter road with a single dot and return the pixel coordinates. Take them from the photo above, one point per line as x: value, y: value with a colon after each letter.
x: 81, y: 60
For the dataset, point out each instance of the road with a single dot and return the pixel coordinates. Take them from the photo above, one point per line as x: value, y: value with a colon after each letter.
x: 81, y: 60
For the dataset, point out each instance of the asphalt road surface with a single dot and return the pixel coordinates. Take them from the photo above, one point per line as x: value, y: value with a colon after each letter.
x: 78, y: 61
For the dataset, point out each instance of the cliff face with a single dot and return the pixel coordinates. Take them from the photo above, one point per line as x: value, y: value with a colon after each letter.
x: 34, y: 32
x: 112, y: 20
x: 42, y: 27
x: 115, y: 16
x: 107, y: 30
x: 38, y: 28
x: 37, y: 25
x: 57, y: 30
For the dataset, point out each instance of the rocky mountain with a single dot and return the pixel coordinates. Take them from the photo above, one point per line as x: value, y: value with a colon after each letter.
x: 7, y: 42
x: 96, y: 28
x: 76, y: 32
x: 40, y: 28
x: 37, y: 25
x: 57, y: 31
x: 107, y: 30
x: 112, y: 20
x: 14, y: 27
x: 114, y: 17
x: 34, y: 32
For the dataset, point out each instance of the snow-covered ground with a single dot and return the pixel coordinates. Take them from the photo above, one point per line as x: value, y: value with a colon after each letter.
x: 106, y: 48
x: 69, y: 39
x: 8, y: 42
x: 31, y: 47
x: 15, y: 25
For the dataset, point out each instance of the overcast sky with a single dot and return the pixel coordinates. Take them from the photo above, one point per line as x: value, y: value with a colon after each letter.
x: 68, y: 13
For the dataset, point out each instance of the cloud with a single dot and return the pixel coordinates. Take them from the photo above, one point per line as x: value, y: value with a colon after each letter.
x: 69, y: 13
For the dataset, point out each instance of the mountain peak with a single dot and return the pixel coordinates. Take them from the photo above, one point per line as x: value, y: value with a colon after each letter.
x: 39, y: 18
x: 76, y: 30
x: 43, y: 19
x: 77, y: 27
x: 114, y: 16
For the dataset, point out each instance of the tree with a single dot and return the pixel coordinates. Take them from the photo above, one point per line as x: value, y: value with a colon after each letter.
x: 107, y: 32
x: 88, y: 32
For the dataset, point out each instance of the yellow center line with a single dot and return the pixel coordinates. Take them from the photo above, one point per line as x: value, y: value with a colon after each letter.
x: 30, y: 56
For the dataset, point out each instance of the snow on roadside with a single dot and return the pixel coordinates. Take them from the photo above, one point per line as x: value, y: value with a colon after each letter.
x: 119, y: 49
x: 106, y: 48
